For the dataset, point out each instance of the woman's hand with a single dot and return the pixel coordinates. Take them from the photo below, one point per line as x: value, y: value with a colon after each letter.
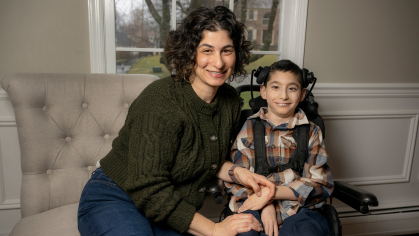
x: 254, y: 202
x: 254, y: 181
x: 269, y: 221
x: 237, y: 223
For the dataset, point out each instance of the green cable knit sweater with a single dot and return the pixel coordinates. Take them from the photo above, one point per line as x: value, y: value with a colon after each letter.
x: 171, y: 144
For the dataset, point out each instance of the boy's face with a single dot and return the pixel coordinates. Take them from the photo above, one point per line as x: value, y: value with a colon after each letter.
x: 283, y: 93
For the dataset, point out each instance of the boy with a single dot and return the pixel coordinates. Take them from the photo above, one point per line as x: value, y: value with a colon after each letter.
x: 295, y: 195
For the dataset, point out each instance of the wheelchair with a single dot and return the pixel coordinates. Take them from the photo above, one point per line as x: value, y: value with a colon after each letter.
x: 353, y: 196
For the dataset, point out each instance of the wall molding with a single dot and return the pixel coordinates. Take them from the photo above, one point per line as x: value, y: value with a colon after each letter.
x: 7, y: 122
x: 382, y: 208
x: 413, y: 115
x: 7, y: 204
x: 10, y: 204
x: 3, y: 94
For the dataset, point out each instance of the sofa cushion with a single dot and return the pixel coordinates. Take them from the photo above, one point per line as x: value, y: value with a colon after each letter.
x: 58, y: 221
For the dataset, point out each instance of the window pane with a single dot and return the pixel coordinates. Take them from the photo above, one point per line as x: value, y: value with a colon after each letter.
x: 255, y: 62
x: 247, y: 96
x: 184, y: 7
x: 260, y: 60
x: 142, y: 23
x: 140, y: 63
x: 260, y: 16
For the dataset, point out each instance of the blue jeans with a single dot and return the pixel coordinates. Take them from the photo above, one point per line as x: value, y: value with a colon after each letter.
x: 105, y: 209
x: 305, y: 222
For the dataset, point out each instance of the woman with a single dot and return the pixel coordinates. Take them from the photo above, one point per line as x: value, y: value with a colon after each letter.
x: 176, y: 137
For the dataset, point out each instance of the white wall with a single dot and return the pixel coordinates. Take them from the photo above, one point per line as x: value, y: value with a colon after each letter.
x: 41, y: 36
x: 359, y: 41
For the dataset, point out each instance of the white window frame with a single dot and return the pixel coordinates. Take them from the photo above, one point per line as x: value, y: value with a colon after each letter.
x: 102, y: 34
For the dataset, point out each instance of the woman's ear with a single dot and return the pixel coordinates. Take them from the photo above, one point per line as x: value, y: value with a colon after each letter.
x: 263, y: 92
x: 303, y: 94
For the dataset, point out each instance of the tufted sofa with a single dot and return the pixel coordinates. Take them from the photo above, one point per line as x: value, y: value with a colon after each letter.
x: 65, y: 123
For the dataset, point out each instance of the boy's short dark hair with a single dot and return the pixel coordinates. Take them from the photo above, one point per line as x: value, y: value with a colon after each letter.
x: 285, y: 66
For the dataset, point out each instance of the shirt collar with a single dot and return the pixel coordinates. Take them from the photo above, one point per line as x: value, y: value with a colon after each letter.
x: 299, y: 118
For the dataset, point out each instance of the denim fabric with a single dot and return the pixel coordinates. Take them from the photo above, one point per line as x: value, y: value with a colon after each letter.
x: 305, y: 223
x: 256, y: 214
x: 105, y: 209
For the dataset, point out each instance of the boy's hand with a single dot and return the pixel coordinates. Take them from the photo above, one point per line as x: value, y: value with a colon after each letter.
x: 254, y: 202
x: 254, y: 181
x: 269, y: 221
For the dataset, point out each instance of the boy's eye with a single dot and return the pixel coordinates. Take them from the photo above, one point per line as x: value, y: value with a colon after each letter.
x: 275, y: 87
x: 293, y: 89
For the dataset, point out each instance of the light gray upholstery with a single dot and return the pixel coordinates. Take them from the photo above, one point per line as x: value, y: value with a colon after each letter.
x: 65, y: 123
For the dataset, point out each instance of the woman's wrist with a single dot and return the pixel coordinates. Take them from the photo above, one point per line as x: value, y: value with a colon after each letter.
x: 213, y: 230
x: 231, y: 174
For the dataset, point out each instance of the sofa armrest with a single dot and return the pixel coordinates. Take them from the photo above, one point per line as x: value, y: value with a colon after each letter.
x: 355, y: 197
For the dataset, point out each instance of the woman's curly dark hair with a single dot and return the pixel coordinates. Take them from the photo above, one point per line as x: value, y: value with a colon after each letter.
x: 180, y: 49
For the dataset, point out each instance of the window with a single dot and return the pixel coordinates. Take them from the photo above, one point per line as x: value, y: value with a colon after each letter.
x: 251, y: 15
x: 127, y: 36
x: 250, y: 35
x: 266, y: 18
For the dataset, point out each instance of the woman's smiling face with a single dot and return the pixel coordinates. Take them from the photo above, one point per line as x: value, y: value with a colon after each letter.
x: 215, y: 59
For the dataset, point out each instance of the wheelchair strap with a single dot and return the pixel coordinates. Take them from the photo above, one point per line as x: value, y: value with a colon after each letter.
x: 261, y: 162
x: 262, y: 166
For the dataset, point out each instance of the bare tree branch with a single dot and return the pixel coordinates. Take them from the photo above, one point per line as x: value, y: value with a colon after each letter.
x: 182, y: 9
x: 268, y: 38
x: 243, y: 11
x: 154, y: 12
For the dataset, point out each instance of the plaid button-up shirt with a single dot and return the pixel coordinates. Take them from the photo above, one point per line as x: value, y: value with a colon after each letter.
x: 311, y: 189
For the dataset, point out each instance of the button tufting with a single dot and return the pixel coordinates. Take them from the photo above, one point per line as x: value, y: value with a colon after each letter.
x: 213, y: 138
x: 214, y: 166
x: 90, y: 167
x: 68, y: 139
x: 49, y: 172
x: 106, y: 136
x: 45, y: 108
x: 85, y: 105
x: 126, y: 105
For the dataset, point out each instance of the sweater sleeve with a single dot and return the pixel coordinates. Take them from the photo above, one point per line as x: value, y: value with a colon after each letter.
x: 316, y: 184
x: 241, y: 156
x: 153, y: 148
